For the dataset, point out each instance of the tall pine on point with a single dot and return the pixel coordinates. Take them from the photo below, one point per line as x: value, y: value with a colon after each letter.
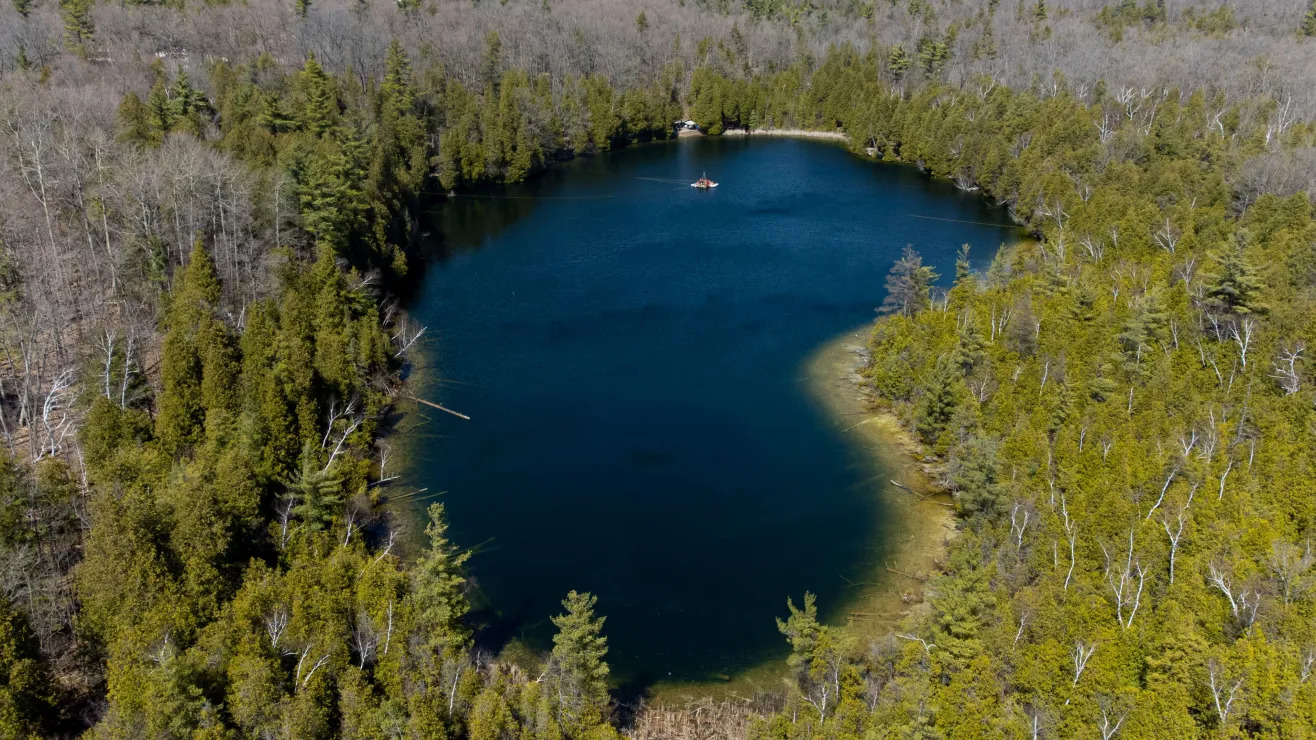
x: 439, y: 589
x: 908, y: 285
x: 579, y: 649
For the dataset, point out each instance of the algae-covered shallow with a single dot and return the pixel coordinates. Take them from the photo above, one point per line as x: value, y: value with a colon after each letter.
x: 632, y: 354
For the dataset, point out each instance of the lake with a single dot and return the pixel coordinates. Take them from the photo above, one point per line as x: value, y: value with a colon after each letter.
x: 630, y: 350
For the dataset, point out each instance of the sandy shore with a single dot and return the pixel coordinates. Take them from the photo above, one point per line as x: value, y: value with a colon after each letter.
x: 920, y: 520
x: 792, y: 132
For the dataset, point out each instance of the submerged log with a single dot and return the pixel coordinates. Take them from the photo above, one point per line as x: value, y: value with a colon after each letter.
x: 431, y: 404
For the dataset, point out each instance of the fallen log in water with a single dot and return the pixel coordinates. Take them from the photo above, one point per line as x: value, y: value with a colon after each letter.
x: 431, y: 404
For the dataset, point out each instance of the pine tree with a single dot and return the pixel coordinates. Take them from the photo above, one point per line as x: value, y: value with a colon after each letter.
x: 186, y: 104
x: 439, y: 588
x: 274, y: 114
x: 161, y: 110
x: 804, y: 634
x: 329, y: 195
x: 1143, y: 329
x: 197, y: 367
x: 1236, y: 289
x: 933, y: 55
x: 78, y: 25
x: 908, y: 285
x: 136, y: 124
x: 320, y: 111
x: 26, y: 692
x: 966, y: 282
x: 579, y: 649
x: 975, y: 476
x: 493, y: 59
x: 1308, y: 26
x: 315, y: 494
x: 940, y: 399
x: 395, y: 93
x: 815, y: 659
x: 23, y: 7
x: 898, y: 62
x: 962, y: 605
x: 970, y: 348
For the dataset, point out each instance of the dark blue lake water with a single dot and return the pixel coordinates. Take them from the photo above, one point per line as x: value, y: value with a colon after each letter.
x: 630, y: 350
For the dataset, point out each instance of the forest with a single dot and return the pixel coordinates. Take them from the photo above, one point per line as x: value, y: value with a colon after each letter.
x: 210, y: 209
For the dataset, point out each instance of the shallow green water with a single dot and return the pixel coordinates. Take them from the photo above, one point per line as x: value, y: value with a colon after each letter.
x: 629, y: 351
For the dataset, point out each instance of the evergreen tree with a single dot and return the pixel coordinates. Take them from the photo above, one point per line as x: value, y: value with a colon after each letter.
x: 180, y: 410
x: 23, y: 7
x: 26, y: 691
x: 493, y: 59
x: 136, y: 124
x: 961, y: 608
x: 396, y: 97
x: 319, y: 113
x: 78, y: 25
x: 267, y: 424
x: 161, y: 110
x: 579, y: 649
x: 1143, y: 330
x: 439, y: 588
x: 1308, y: 26
x: 491, y: 717
x: 941, y: 397
x: 966, y: 283
x: 975, y: 476
x: 908, y: 285
x: 815, y: 660
x: 198, y: 366
x: 804, y: 634
x: 970, y: 348
x: 1236, y: 288
x: 933, y: 55
x: 186, y: 104
x: 315, y: 495
x: 274, y: 114
x: 898, y: 62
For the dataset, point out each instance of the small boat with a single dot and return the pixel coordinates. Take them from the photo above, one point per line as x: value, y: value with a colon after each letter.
x: 703, y: 183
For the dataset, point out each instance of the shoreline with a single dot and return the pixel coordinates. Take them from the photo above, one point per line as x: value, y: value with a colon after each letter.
x: 917, y: 527
x: 919, y: 518
x: 798, y: 133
